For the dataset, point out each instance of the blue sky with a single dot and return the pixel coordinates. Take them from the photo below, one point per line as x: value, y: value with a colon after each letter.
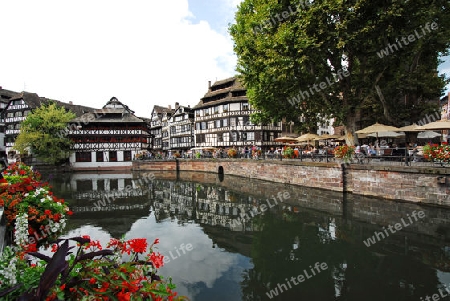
x: 445, y: 68
x: 143, y: 52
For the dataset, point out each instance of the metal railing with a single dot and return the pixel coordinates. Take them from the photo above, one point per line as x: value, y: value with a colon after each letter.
x: 384, y: 156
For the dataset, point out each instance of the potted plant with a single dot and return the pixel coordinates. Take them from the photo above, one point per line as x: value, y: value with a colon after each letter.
x: 232, y: 153
x: 288, y: 152
x: 344, y: 152
x: 437, y: 153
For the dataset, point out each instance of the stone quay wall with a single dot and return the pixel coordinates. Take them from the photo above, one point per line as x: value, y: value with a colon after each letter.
x: 427, y: 185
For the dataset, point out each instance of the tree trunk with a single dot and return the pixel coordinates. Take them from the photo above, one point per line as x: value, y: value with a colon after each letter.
x: 350, y: 128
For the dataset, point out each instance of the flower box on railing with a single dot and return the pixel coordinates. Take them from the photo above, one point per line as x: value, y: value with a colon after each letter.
x: 437, y: 153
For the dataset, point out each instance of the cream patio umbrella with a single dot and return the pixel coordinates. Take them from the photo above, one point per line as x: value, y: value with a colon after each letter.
x: 377, y: 128
x: 285, y: 139
x: 307, y: 137
x: 410, y: 128
x: 388, y: 134
x: 340, y: 138
x: 437, y: 125
x: 326, y: 137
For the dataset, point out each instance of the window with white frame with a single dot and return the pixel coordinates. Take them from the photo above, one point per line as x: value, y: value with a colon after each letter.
x: 250, y: 136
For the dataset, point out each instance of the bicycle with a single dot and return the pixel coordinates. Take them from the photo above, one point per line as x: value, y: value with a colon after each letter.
x: 360, y: 158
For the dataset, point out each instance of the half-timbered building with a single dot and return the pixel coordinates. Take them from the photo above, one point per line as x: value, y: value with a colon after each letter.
x: 158, y: 114
x: 108, y: 138
x: 165, y: 130
x: 222, y: 118
x: 17, y: 110
x: 181, y: 129
x: 5, y: 96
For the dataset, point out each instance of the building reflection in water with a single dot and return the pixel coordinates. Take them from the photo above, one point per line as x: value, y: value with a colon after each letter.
x: 243, y: 261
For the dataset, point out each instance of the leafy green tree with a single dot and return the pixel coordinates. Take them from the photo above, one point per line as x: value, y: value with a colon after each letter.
x: 329, y: 57
x: 40, y: 133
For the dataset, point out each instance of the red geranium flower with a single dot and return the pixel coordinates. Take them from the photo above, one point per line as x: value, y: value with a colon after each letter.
x: 157, y: 260
x: 138, y: 245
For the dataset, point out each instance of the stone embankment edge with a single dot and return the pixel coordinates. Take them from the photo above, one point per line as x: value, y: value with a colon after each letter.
x: 428, y: 185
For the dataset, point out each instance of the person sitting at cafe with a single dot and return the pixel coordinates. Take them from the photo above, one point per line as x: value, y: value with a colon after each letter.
x: 296, y: 152
x: 371, y: 150
x: 418, y: 154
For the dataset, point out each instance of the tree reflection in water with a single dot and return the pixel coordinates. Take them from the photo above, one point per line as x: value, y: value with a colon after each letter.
x: 312, y: 226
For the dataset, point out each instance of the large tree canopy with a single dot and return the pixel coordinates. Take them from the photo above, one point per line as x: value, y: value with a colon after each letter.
x: 40, y: 133
x: 328, y: 58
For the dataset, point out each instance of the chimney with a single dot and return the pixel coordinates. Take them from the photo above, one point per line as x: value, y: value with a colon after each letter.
x: 209, y: 86
x: 170, y: 107
x: 70, y: 103
x: 177, y: 105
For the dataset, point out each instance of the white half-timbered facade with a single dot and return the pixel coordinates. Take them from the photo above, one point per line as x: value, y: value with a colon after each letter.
x: 222, y: 119
x: 181, y: 129
x: 156, y: 121
x: 108, y: 139
x: 5, y: 96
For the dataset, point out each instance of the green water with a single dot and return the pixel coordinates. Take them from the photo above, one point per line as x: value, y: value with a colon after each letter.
x: 307, y: 246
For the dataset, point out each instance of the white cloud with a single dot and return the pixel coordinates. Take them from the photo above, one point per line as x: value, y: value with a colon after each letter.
x: 142, y: 52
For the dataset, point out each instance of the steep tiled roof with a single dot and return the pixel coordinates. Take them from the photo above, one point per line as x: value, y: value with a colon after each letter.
x: 6, y: 95
x: 34, y: 101
x: 221, y: 92
x: 113, y: 111
x: 159, y: 109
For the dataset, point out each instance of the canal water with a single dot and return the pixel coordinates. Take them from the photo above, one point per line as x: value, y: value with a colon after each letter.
x: 230, y: 238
